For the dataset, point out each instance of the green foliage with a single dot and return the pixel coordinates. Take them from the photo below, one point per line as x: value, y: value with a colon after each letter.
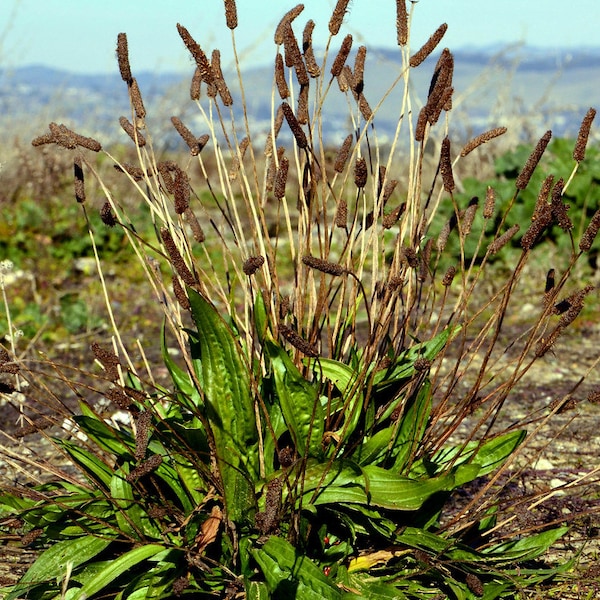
x: 321, y: 406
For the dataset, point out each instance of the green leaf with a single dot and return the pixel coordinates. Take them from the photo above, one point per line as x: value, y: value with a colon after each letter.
x: 51, y: 564
x: 344, y: 378
x: 299, y: 403
x: 290, y: 574
x: 228, y: 402
x: 117, y: 567
x: 88, y: 461
x: 346, y: 482
x: 526, y: 548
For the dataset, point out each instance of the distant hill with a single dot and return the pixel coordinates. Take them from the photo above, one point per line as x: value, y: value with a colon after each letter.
x: 553, y: 87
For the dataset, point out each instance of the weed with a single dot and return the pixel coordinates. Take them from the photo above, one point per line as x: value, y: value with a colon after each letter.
x: 333, y: 381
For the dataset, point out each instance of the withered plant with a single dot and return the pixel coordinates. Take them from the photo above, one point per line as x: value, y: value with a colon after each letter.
x: 332, y: 385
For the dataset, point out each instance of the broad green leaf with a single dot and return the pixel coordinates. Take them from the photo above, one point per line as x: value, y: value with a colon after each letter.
x: 257, y: 590
x: 51, y: 564
x: 488, y: 455
x: 344, y: 378
x: 290, y: 574
x: 526, y: 548
x: 374, y: 449
x: 229, y: 407
x: 413, y: 424
x: 117, y: 567
x: 346, y: 482
x: 299, y: 403
x: 131, y: 516
x: 92, y: 464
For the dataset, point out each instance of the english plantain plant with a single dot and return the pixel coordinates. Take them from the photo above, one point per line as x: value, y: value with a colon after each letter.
x: 312, y: 430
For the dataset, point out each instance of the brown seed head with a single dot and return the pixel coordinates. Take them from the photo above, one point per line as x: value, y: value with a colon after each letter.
x: 119, y: 398
x: 393, y: 217
x: 341, y: 214
x: 136, y: 100
x: 187, y: 136
x: 449, y: 276
x: 181, y: 191
x: 280, y: 80
x: 360, y: 172
x: 136, y: 137
x: 204, y: 67
x: 142, y: 429
x: 559, y: 208
x: 582, y: 137
x: 446, y: 166
x: 343, y: 153
x: 108, y: 359
x: 482, y: 139
x: 421, y: 125
x: 340, y: 59
x: 429, y: 46
x: 297, y: 341
x: 295, y: 128
x: 359, y: 69
x: 107, y: 216
x: 501, y: 241
x: 532, y: 161
x: 197, y: 231
x: 253, y: 264
x: 145, y: 468
x: 285, y: 21
x: 79, y: 182
x: 411, y: 257
x: 337, y: 17
x: 231, y: 17
x: 307, y: 48
x: 195, y: 85
x: 324, y: 266
x: 123, y: 58
x: 537, y: 227
x: 490, y: 201
x: 401, y: 23
x: 365, y: 109
x: 176, y: 259
x: 281, y: 178
x: 135, y: 172
x: 180, y: 294
x: 589, y: 235
x: 302, y: 112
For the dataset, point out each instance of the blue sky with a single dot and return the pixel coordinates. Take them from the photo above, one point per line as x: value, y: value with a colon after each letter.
x: 80, y: 35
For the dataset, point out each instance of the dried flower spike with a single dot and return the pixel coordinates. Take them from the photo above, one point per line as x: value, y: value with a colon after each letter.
x: 583, y: 135
x: 204, y: 67
x: 342, y: 155
x: 490, y: 202
x: 342, y: 55
x: 307, y: 48
x: 231, y: 17
x: 337, y: 16
x: 401, y: 23
x: 590, y: 233
x: 180, y: 294
x: 123, y: 58
x: 285, y: 21
x: 176, y: 259
x: 281, y: 178
x: 280, y: 80
x: 136, y: 100
x: 482, y: 139
x: 449, y: 276
x: 107, y: 216
x: 501, y: 241
x: 79, y: 182
x: 136, y: 137
x: 297, y: 341
x: 429, y: 46
x: 324, y: 266
x: 360, y: 172
x: 253, y: 264
x: 299, y: 135
x: 532, y: 161
x: 109, y: 360
x: 446, y: 166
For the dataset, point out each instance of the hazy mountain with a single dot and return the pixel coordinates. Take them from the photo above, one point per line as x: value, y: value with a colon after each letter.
x: 553, y: 87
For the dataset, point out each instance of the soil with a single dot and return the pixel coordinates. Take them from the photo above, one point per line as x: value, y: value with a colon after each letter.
x: 554, y: 480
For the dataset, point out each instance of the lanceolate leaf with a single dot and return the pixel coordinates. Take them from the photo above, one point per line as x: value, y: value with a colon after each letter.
x: 290, y: 574
x: 346, y: 482
x: 299, y: 403
x: 228, y: 401
x: 52, y: 563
